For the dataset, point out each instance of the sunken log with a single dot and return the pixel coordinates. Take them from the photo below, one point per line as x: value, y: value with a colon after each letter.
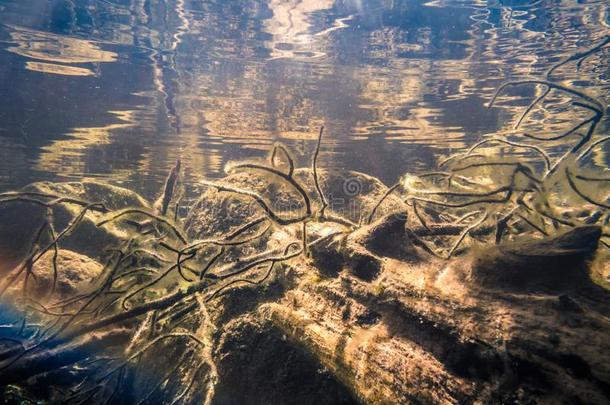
x: 436, y: 331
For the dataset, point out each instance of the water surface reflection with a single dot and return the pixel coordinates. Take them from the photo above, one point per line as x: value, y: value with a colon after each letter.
x: 119, y: 89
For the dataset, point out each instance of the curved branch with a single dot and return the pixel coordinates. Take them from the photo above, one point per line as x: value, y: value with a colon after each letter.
x: 381, y: 200
x: 579, y: 56
x: 547, y: 160
x: 465, y: 204
x: 157, y: 279
x: 259, y: 200
x: 564, y: 135
x: 530, y: 107
x: 580, y: 193
x: 593, y: 145
x: 55, y: 200
x: 140, y: 211
x: 279, y: 147
x: 465, y: 233
x: 552, y: 85
x: 458, y: 194
x: 286, y: 177
x: 228, y: 241
x: 274, y: 261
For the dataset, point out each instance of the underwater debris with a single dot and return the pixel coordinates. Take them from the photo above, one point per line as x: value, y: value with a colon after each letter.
x: 514, y: 196
x: 169, y: 189
x: 549, y: 263
x: 383, y: 298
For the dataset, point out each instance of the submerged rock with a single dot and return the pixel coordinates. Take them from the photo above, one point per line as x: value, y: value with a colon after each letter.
x: 551, y: 263
x: 421, y: 332
x: 386, y: 237
x: 350, y: 195
x: 257, y: 364
x: 74, y: 275
x: 362, y: 252
x: 367, y: 317
x: 21, y: 221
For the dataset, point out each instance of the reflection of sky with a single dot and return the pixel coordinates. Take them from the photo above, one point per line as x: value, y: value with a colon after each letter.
x: 120, y: 89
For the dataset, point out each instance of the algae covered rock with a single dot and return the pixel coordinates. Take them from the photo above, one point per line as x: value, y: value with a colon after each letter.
x: 20, y: 221
x: 350, y: 195
x: 362, y: 251
x: 557, y: 262
x: 257, y: 364
x: 74, y: 275
x: 423, y: 332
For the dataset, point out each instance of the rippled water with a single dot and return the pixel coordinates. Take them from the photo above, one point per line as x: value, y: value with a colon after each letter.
x: 118, y: 89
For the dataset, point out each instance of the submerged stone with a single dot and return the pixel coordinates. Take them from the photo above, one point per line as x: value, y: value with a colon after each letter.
x: 259, y: 365
x: 350, y: 195
x: 557, y: 262
x: 20, y: 221
x: 74, y: 275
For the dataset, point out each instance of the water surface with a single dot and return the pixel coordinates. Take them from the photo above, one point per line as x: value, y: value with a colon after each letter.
x: 118, y: 89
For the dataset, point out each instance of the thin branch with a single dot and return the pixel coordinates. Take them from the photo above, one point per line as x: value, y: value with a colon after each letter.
x: 259, y: 200
x: 419, y: 217
x: 168, y: 189
x: 530, y: 107
x: 465, y: 204
x: 579, y: 56
x: 581, y: 194
x: 156, y: 280
x: 593, y: 145
x: 314, y: 167
x: 381, y: 200
x: 247, y: 281
x: 465, y: 233
x: 142, y: 211
x: 533, y: 225
x: 286, y: 177
x: 289, y: 159
x: 547, y: 160
x: 556, y: 86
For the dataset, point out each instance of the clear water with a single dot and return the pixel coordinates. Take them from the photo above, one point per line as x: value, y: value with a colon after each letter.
x: 118, y: 89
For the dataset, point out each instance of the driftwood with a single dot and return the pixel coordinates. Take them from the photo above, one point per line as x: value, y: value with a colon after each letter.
x: 438, y: 332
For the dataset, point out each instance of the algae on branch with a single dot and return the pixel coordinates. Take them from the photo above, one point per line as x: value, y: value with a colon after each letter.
x: 166, y: 289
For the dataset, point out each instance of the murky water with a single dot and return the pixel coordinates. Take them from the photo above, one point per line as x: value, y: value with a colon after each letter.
x: 118, y: 89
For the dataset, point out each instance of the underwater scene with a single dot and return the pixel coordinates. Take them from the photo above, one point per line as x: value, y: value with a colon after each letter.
x: 304, y: 202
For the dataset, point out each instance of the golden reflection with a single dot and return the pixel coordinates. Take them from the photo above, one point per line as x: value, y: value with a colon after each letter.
x: 291, y: 27
x: 65, y: 156
x: 224, y: 86
x: 56, y: 48
x: 58, y: 69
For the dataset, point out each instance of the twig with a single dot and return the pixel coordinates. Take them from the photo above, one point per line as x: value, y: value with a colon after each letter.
x: 579, y: 56
x: 168, y: 189
x: 465, y: 233
x: 580, y: 193
x: 289, y: 159
x: 568, y: 90
x: 314, y: 167
x: 529, y: 108
x: 259, y: 200
x: 381, y: 200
